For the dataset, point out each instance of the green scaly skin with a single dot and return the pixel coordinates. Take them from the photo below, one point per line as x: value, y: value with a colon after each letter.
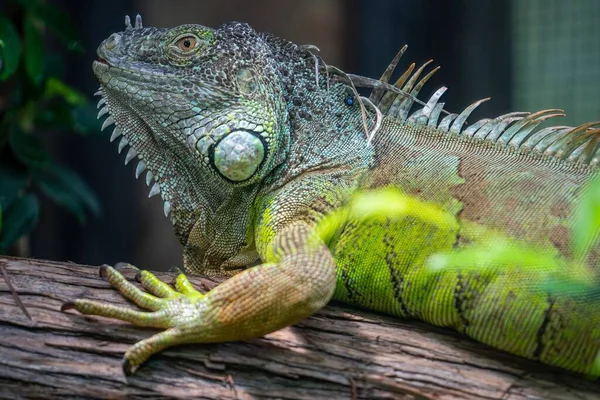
x: 251, y: 140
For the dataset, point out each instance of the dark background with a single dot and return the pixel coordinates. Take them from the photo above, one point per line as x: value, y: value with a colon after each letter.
x: 525, y: 54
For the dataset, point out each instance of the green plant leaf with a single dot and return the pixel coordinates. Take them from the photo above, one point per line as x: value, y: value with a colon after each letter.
x: 61, y: 195
x: 59, y: 115
x: 85, y: 120
x: 496, y: 252
x: 56, y: 87
x: 19, y: 219
x: 573, y: 287
x: 79, y: 186
x: 56, y: 115
x: 12, y: 183
x: 10, y: 48
x: 69, y: 190
x: 388, y: 202
x: 59, y: 23
x: 28, y: 149
x: 28, y: 5
x: 586, y: 222
x: 34, y: 49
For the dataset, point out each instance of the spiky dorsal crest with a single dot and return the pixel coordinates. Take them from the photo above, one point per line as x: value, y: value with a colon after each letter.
x: 516, y: 130
x: 310, y: 50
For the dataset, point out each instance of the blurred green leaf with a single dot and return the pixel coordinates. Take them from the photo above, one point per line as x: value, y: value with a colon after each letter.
x: 586, y: 223
x: 15, y: 99
x: 387, y: 202
x: 56, y: 115
x: 573, y: 287
x: 56, y: 87
x: 28, y: 5
x: 19, y: 219
x: 34, y: 50
x: 28, y: 149
x: 10, y: 46
x: 391, y: 202
x: 11, y: 184
x: 0, y: 221
x: 85, y: 120
x: 60, y: 115
x: 496, y: 252
x: 61, y: 195
x: 59, y: 23
x: 79, y: 186
x: 68, y: 189
x: 55, y: 64
x: 38, y: 103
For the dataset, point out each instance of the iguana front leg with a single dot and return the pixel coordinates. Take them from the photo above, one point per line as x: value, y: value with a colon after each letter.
x: 296, y: 282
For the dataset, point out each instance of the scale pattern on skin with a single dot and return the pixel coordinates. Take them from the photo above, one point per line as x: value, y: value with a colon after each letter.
x: 251, y: 140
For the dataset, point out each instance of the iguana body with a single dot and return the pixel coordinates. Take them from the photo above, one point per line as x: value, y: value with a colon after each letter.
x: 251, y: 140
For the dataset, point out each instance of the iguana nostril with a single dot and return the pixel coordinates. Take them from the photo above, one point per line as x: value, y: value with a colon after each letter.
x: 112, y: 42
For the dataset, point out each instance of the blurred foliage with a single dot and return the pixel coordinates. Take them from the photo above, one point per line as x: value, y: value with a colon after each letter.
x: 35, y: 100
x: 492, y: 252
x: 586, y: 224
x: 554, y: 273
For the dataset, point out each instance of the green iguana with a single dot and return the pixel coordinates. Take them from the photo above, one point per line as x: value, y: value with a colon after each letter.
x: 251, y: 140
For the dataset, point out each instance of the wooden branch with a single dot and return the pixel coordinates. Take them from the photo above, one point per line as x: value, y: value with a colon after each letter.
x: 338, y: 353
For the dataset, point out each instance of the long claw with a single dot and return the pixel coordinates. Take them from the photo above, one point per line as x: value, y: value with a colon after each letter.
x: 175, y: 311
x: 102, y: 271
x: 175, y: 270
x: 123, y: 265
x: 127, y: 368
x: 67, y: 305
x: 228, y: 312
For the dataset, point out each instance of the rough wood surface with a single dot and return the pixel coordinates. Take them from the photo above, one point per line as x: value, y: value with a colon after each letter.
x: 339, y: 353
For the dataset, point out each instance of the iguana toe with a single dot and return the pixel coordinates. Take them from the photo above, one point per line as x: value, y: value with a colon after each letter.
x: 179, y: 311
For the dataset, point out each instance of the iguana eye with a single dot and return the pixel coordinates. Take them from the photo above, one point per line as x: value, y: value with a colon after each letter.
x: 239, y: 155
x: 187, y: 43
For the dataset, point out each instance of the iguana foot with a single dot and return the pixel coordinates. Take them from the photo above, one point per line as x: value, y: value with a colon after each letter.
x: 299, y: 280
x: 175, y: 309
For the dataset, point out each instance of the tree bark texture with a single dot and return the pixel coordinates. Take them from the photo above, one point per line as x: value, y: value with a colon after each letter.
x: 339, y: 353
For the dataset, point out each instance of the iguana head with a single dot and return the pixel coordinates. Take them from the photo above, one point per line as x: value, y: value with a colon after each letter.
x: 200, y: 108
x: 210, y: 113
